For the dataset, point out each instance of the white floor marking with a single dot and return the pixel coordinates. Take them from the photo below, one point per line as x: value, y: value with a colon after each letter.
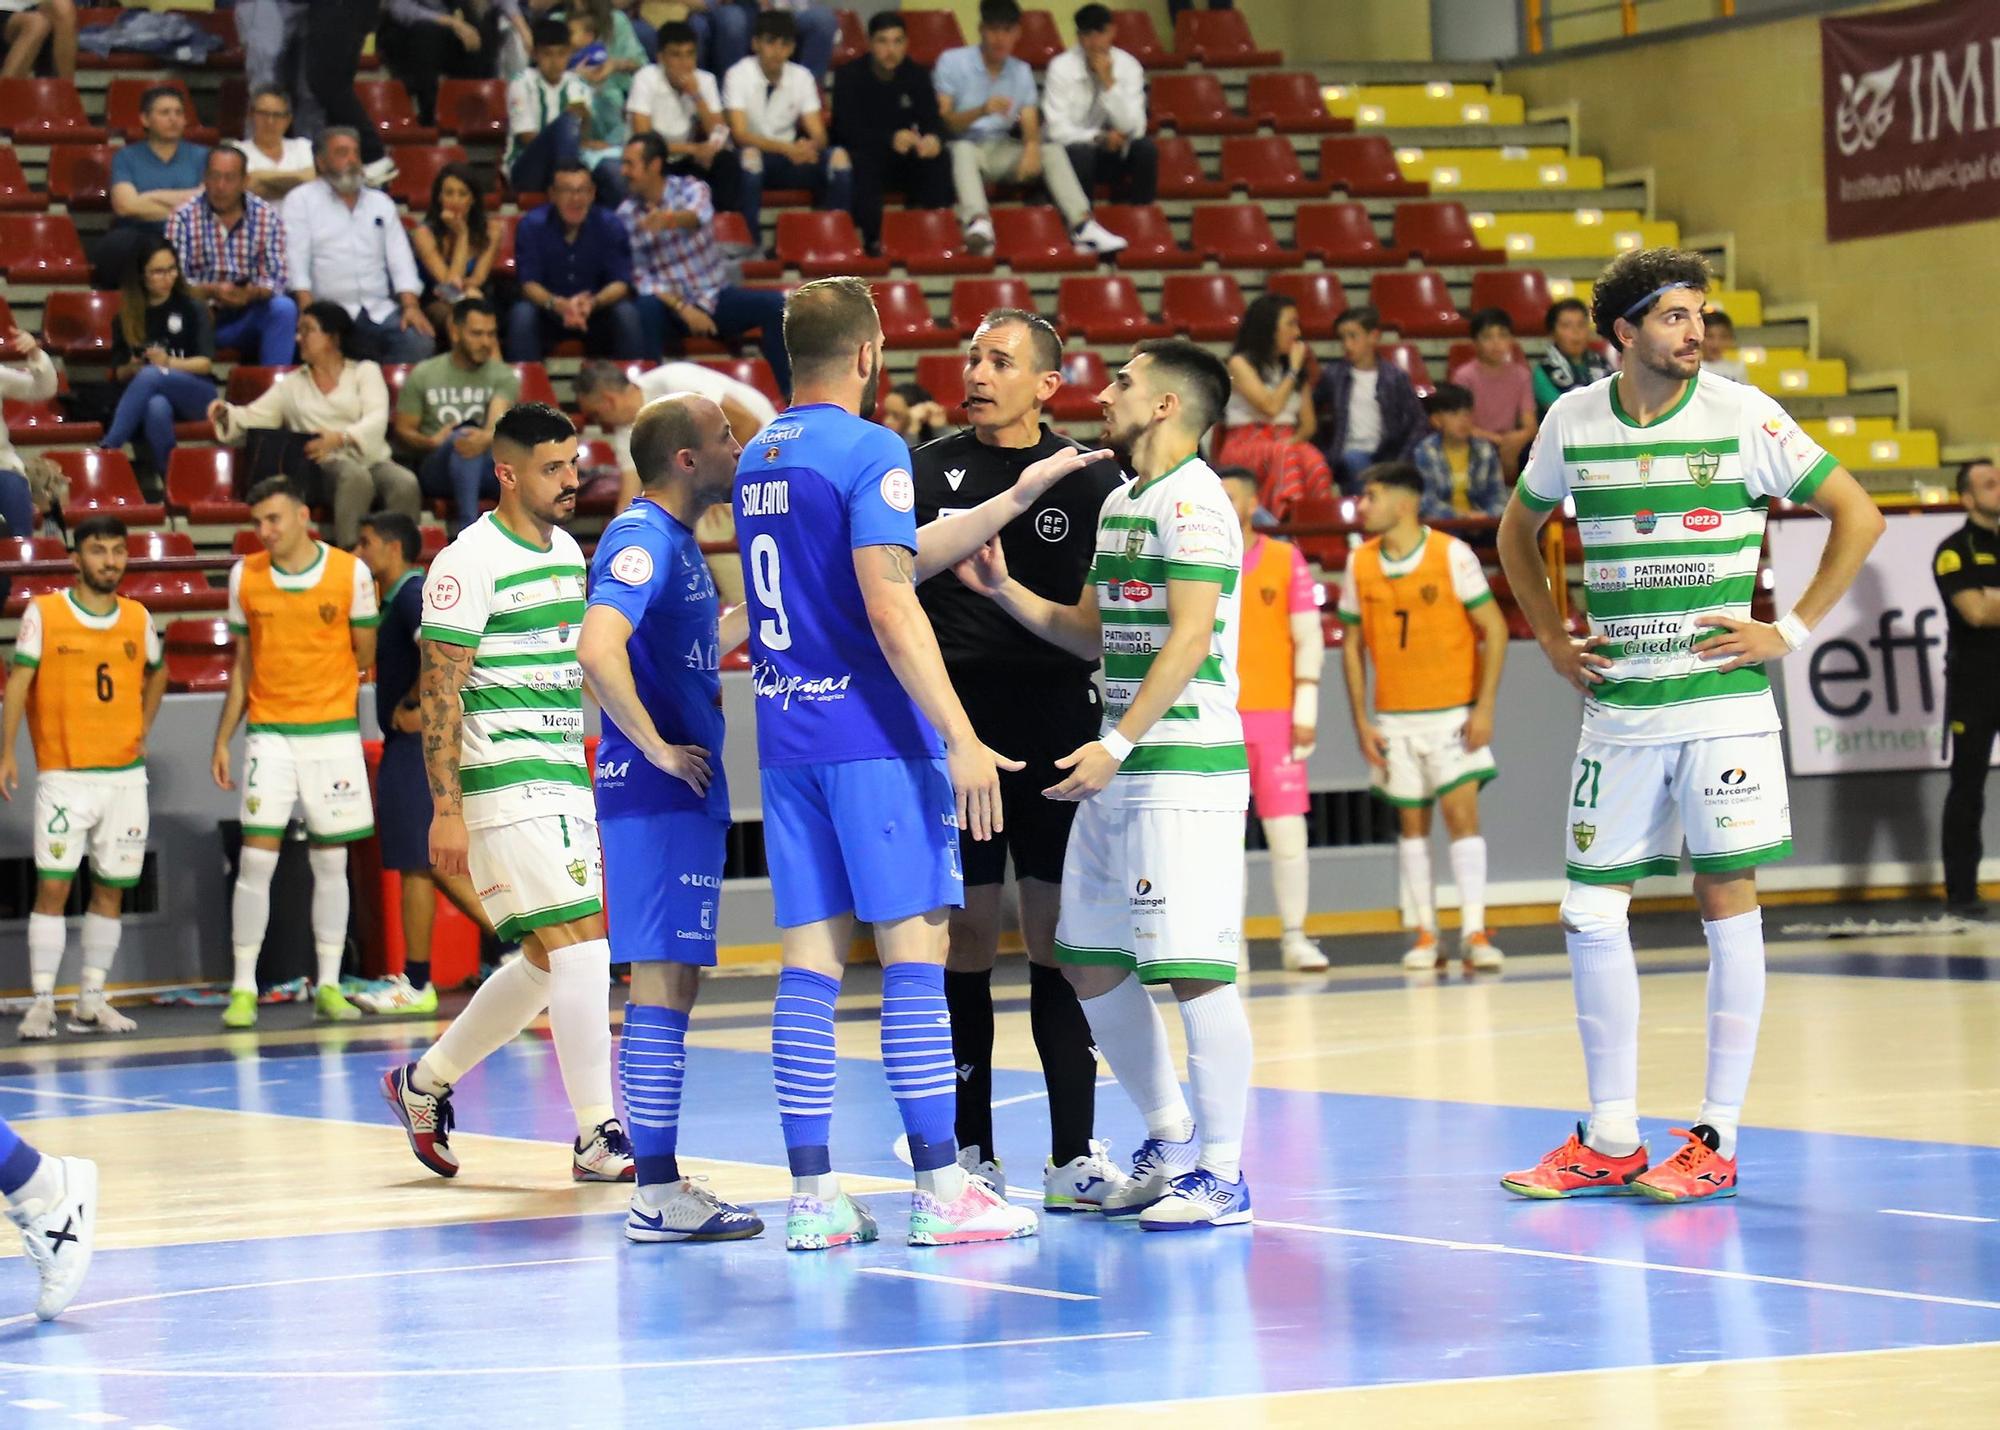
x: 36, y: 1404
x: 1042, y: 1291
x: 1940, y: 1216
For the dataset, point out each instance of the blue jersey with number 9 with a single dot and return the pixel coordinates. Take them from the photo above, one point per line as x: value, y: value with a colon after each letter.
x: 813, y: 487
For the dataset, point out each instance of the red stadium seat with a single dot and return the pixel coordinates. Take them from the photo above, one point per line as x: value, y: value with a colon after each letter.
x: 473, y: 109
x: 121, y: 109
x: 1292, y: 104
x: 393, y: 374
x: 103, y: 481
x: 1205, y: 306
x: 1441, y: 233
x: 942, y: 375
x: 1150, y: 241
x: 248, y: 382
x: 46, y: 424
x: 1417, y: 304
x: 1239, y: 236
x: 388, y: 107
x: 42, y: 248
x: 1327, y: 550
x: 503, y: 261
x: 1181, y: 174
x: 931, y: 33
x: 80, y: 176
x: 201, y: 487
x: 851, y: 40
x: 906, y: 316
x: 1342, y: 236
x: 1040, y: 40
x: 25, y: 588
x: 1319, y: 296
x: 200, y: 652
x: 929, y: 241
x: 78, y: 323
x: 17, y: 195
x: 1195, y: 104
x: 43, y: 111
x: 535, y: 385
x: 1219, y: 39
x: 1132, y: 31
x: 432, y: 538
x: 1406, y: 357
x: 823, y: 244
x: 733, y: 233
x: 1084, y: 376
x: 1521, y: 293
x: 1034, y: 239
x: 752, y: 372
x: 1266, y: 166
x: 1365, y: 165
x: 1106, y: 308
x: 417, y: 168
x: 973, y: 298
x: 167, y: 590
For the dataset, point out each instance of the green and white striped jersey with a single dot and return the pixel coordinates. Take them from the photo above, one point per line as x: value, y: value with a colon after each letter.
x: 1179, y: 526
x: 1672, y: 519
x: 520, y: 607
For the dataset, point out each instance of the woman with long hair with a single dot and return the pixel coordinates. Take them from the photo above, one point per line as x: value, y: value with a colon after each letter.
x: 1268, y: 424
x: 455, y: 243
x: 163, y: 350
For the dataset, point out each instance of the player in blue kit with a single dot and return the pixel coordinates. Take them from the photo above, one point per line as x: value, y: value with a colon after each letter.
x: 651, y: 648
x: 870, y: 768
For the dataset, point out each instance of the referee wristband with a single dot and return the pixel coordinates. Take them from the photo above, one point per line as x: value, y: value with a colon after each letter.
x: 1117, y: 744
x: 1793, y: 630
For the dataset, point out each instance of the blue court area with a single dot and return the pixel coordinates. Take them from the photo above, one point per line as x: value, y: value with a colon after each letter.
x: 1385, y: 1254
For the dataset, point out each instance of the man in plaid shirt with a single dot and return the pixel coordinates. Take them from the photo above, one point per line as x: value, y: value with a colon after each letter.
x: 683, y: 280
x: 231, y: 246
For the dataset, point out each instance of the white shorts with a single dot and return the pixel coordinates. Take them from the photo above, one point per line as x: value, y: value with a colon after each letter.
x: 103, y: 815
x: 325, y: 773
x: 537, y: 872
x: 1427, y: 756
x: 1159, y: 891
x: 1630, y: 807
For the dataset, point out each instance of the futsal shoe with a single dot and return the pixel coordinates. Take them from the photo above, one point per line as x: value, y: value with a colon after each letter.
x: 1199, y: 1199
x: 606, y: 1157
x: 1302, y: 955
x: 688, y: 1211
x: 59, y: 1236
x: 1696, y: 1173
x: 398, y: 995
x: 1425, y: 954
x: 1082, y: 1184
x: 1576, y: 1169
x: 1154, y: 1167
x: 242, y: 1009
x: 814, y: 1225
x: 94, y: 1014
x: 425, y: 1116
x: 39, y: 1023
x: 980, y: 1213
x: 1480, y: 954
x: 331, y: 1005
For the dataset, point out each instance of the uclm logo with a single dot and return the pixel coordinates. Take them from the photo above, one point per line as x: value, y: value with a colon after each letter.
x: 1702, y: 519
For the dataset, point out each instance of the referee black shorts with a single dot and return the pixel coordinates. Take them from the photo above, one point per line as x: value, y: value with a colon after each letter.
x: 1039, y: 718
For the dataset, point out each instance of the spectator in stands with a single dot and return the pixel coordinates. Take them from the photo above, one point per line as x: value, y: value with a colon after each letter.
x: 31, y: 24
x: 273, y: 34
x: 343, y: 403
x: 1570, y: 361
x: 722, y: 32
x: 1461, y: 468
x: 597, y: 24
x: 149, y: 180
x: 913, y: 414
x: 1718, y: 338
x: 574, y: 264
x: 681, y: 102
x: 1503, y: 391
x: 1268, y: 426
x: 347, y: 245
x: 642, y: 30
x: 774, y: 116
x: 456, y: 243
x: 27, y: 375
x: 987, y: 97
x: 548, y: 112
x: 425, y: 41
x: 335, y: 34
x: 885, y: 120
x: 1094, y: 99
x: 163, y: 351
x: 447, y: 408
x: 231, y: 247
x: 612, y: 398
x: 819, y: 32
x: 1366, y: 411
x: 678, y: 268
x: 278, y: 161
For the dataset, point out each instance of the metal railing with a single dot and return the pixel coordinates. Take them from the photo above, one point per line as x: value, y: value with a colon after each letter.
x: 1541, y: 19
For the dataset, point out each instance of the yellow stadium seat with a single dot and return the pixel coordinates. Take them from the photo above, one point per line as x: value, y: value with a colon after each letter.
x: 1500, y: 169
x: 1745, y: 308
x: 1377, y: 106
x: 1863, y: 443
x: 1786, y: 372
x: 1577, y: 233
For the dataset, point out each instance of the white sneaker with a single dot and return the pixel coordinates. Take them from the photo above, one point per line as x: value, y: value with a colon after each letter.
x: 1096, y: 237
x: 606, y: 1157
x: 381, y: 173
x: 1082, y: 1184
x: 1302, y: 955
x: 58, y: 1237
x: 93, y: 1014
x: 980, y: 1213
x: 979, y: 237
x: 1154, y: 1167
x: 396, y: 994
x: 688, y: 1211
x: 1480, y: 953
x: 989, y: 1168
x: 1199, y: 1199
x: 1424, y: 956
x: 39, y: 1022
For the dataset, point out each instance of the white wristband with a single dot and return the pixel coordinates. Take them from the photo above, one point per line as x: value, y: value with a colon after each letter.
x: 1793, y: 630
x: 1117, y: 744
x: 1305, y: 703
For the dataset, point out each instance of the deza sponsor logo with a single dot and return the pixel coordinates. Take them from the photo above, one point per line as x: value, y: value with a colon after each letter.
x: 1702, y: 519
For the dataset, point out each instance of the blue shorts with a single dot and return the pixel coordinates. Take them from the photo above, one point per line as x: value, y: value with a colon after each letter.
x: 877, y: 837
x: 403, y: 806
x: 663, y: 884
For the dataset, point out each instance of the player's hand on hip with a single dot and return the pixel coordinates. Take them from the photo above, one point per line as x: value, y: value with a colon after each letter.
x: 218, y: 766
x: 985, y: 570
x: 1374, y: 746
x: 449, y: 842
x: 1090, y: 767
x: 1740, y: 643
x: 1038, y: 477
x: 1576, y: 660
x: 1478, y: 730
x: 975, y: 781
x: 687, y: 763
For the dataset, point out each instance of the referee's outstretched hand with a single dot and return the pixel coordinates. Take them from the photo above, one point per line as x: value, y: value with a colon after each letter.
x: 975, y: 781
x: 1038, y: 477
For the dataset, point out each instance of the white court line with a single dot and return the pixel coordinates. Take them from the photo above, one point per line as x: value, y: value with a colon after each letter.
x: 1626, y: 1263
x: 1939, y: 1216
x: 976, y: 1285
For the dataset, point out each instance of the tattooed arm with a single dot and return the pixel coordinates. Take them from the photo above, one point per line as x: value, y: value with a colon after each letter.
x: 446, y: 665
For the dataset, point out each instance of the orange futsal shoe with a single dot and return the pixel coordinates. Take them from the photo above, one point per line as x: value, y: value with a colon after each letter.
x: 1696, y: 1172
x: 1576, y: 1170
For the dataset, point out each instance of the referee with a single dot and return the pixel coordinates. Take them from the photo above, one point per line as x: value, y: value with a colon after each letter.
x: 1033, y: 702
x: 1967, y: 569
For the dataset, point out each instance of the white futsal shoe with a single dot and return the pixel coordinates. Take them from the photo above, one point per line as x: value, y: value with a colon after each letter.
x: 1083, y: 1183
x: 38, y: 1024
x: 1480, y: 954
x: 606, y: 1157
x: 1424, y: 956
x: 58, y: 1237
x: 1154, y: 1167
x: 93, y: 1013
x: 980, y: 1213
x: 1302, y: 955
x: 688, y: 1211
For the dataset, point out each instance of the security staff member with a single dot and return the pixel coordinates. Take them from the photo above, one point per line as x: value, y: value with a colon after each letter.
x: 1030, y: 701
x: 1967, y: 568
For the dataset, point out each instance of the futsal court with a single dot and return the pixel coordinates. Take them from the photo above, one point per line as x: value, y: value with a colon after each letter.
x: 269, y: 1253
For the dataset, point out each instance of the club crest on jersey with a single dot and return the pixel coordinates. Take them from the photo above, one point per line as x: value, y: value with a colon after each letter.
x: 131, y: 650
x: 1584, y: 835
x: 1645, y: 466
x: 1270, y: 595
x: 770, y: 454
x: 328, y: 613
x: 1702, y: 467
x: 252, y: 804
x: 576, y: 872
x: 1430, y: 594
x: 1135, y: 543
x: 56, y: 849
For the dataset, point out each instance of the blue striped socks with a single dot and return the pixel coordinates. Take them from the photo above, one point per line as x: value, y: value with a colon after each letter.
x: 802, y: 1067
x: 916, y: 1054
x: 652, y: 1064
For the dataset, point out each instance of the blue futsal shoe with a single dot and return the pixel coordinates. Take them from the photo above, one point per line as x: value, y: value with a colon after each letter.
x: 1199, y: 1199
x: 688, y: 1211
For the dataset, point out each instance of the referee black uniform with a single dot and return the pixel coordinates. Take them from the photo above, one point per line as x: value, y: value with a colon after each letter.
x: 1968, y: 560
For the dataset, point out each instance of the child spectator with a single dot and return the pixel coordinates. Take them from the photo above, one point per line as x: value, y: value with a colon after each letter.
x: 1461, y: 468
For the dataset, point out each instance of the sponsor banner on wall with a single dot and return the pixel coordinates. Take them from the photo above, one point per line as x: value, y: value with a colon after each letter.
x: 1911, y: 102
x: 1867, y: 692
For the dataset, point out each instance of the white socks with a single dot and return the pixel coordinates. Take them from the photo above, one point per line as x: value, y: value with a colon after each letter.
x: 1413, y: 856
x: 329, y: 909
x: 1218, y: 1038
x: 1468, y: 871
x: 1285, y: 834
x: 1127, y: 1029
x: 580, y: 1019
x: 505, y: 1004
x: 250, y: 911
x: 1606, y: 981
x: 47, y: 934
x: 1735, y: 1007
x: 100, y: 948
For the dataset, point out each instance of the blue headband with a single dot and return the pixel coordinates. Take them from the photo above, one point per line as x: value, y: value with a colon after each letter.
x: 1653, y: 297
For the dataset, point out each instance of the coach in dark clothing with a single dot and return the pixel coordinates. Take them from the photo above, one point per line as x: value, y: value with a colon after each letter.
x: 1967, y: 569
x: 885, y: 115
